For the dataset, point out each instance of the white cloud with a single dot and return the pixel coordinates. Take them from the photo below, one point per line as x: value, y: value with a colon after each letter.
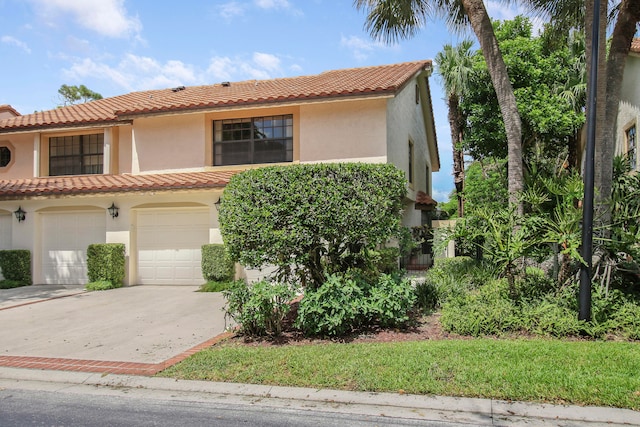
x: 272, y: 4
x: 15, y: 42
x: 234, y: 8
x: 440, y: 195
x: 106, y: 17
x: 261, y: 66
x: 231, y: 10
x: 362, y: 48
x: 504, y: 12
x: 136, y: 73
x: 267, y: 61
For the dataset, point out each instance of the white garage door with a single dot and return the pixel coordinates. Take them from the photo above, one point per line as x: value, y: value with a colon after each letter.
x: 65, y: 238
x: 169, y: 246
x: 5, y: 232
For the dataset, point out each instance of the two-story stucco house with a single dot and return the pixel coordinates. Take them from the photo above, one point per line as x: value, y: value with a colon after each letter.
x: 160, y: 160
x: 629, y: 110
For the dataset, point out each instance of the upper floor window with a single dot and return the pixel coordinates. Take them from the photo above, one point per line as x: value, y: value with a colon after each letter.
x: 76, y: 155
x: 632, y: 144
x: 5, y: 156
x: 410, y: 174
x: 254, y: 140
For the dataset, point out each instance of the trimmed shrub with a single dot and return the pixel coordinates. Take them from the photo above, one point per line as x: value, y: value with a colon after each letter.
x: 311, y: 220
x: 100, y: 285
x: 16, y: 266
x: 216, y: 286
x: 9, y: 284
x: 106, y: 262
x: 217, y: 265
x: 259, y: 308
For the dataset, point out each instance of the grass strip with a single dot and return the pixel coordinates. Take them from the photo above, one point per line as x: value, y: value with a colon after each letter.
x: 561, y: 372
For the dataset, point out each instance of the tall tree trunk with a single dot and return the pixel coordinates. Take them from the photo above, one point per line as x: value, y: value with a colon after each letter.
x: 600, y: 161
x: 455, y: 124
x: 483, y: 29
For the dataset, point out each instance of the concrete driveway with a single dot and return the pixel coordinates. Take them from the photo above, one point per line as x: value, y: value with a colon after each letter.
x: 144, y: 325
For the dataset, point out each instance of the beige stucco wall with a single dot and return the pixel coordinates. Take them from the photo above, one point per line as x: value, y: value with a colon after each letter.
x: 28, y: 234
x: 21, y: 165
x: 168, y: 143
x: 629, y: 110
x: 406, y: 124
x: 352, y: 130
x: 124, y: 149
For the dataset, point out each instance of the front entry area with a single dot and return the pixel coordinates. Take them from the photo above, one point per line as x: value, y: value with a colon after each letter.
x: 169, y: 243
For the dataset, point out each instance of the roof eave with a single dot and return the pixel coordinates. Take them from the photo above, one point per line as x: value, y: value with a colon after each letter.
x: 63, y: 126
x: 380, y: 94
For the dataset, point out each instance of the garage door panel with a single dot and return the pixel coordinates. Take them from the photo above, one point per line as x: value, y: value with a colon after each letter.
x: 169, y: 246
x: 65, y: 239
x: 5, y: 232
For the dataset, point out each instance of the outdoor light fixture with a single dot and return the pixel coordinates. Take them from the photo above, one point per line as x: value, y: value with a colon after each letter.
x: 113, y: 210
x: 217, y: 204
x: 20, y: 214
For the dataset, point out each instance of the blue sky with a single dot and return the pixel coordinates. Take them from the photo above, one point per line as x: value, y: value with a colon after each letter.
x: 118, y: 46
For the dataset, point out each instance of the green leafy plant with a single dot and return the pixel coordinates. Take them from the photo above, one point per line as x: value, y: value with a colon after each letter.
x: 335, y: 308
x: 311, y: 220
x: 9, y: 284
x: 216, y: 286
x: 100, y: 285
x: 390, y: 301
x: 217, y: 265
x: 259, y: 308
x: 489, y: 310
x: 16, y: 266
x: 106, y: 262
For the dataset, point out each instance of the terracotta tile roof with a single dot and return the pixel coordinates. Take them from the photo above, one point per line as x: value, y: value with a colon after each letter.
x: 9, y: 108
x: 92, y: 184
x: 635, y: 45
x: 384, y: 79
x: 424, y: 201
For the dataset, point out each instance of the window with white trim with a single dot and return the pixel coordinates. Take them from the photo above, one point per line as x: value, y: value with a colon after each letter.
x: 632, y: 146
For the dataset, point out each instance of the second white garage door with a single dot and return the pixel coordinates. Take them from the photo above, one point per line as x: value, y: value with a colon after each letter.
x: 169, y: 246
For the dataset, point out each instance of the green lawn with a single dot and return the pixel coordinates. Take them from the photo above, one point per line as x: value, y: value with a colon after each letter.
x: 573, y: 372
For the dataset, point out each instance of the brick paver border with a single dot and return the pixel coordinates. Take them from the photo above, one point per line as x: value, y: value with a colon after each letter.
x: 103, y: 366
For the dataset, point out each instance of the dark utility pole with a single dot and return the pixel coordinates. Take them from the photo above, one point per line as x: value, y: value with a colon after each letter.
x: 587, y: 204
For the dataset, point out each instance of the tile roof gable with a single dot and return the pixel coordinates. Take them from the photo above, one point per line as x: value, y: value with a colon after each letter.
x: 375, y: 80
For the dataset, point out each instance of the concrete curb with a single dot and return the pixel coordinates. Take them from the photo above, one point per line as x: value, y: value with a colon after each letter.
x: 434, y: 408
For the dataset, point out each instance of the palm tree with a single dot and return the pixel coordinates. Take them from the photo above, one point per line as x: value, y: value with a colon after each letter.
x: 454, y: 65
x: 394, y: 19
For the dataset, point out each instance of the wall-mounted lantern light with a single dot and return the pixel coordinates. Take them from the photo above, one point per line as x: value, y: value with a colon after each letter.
x: 113, y: 210
x: 20, y: 214
x: 217, y: 204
